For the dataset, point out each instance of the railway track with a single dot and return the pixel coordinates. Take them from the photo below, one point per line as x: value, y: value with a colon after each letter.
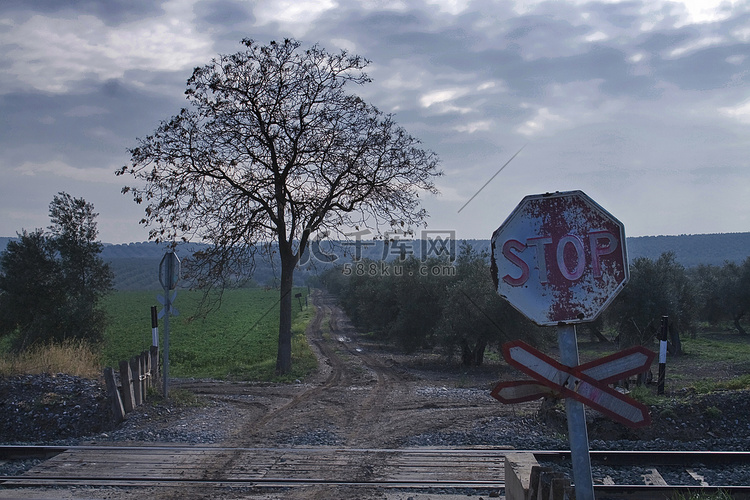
x: 480, y: 470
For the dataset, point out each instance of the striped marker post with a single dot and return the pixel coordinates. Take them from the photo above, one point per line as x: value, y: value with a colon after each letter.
x: 154, y: 327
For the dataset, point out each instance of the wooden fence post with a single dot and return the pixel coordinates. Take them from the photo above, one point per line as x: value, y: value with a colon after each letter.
x: 118, y: 411
x: 136, y: 369
x: 126, y: 380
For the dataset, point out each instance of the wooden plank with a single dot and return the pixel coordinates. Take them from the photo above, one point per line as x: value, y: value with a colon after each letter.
x: 653, y: 477
x: 137, y: 370
x: 126, y: 381
x: 268, y: 464
x: 697, y: 477
x: 118, y: 411
x: 154, y: 355
x: 145, y: 374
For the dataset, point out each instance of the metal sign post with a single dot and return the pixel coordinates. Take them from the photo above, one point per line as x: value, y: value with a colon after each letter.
x: 577, y: 431
x: 169, y: 275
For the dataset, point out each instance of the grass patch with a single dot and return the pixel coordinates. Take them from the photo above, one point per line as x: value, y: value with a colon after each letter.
x: 181, y: 398
x: 713, y: 360
x: 238, y: 341
x: 721, y: 495
x: 645, y: 395
x: 704, y: 386
x: 73, y: 357
x: 718, y: 347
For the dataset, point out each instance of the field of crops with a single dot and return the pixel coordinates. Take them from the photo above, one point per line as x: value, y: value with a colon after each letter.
x: 236, y: 341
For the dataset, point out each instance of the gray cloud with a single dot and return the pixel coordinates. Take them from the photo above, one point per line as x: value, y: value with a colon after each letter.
x: 627, y: 101
x: 222, y: 13
x: 112, y: 12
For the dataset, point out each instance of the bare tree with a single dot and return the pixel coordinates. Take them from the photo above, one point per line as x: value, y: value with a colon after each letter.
x: 272, y: 148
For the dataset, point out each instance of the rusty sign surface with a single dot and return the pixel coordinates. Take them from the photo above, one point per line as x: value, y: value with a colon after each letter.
x: 577, y: 383
x: 559, y: 258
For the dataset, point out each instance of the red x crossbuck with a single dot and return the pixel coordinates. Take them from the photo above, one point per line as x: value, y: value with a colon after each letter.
x: 587, y: 383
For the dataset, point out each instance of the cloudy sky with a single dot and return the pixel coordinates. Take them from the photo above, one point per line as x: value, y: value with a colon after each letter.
x: 643, y: 104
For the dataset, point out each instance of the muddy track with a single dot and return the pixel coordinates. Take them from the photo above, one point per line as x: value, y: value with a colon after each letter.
x: 352, y: 390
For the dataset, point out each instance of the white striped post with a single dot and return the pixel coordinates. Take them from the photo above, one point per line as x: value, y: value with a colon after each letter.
x: 154, y: 327
x: 662, y: 354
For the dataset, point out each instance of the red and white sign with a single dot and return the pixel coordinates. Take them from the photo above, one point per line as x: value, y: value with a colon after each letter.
x: 586, y: 383
x: 519, y: 391
x: 605, y: 370
x: 559, y: 258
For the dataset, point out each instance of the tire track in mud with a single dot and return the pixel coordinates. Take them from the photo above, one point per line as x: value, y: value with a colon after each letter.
x: 374, y: 407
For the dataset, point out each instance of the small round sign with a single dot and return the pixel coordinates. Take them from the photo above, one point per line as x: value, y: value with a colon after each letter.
x: 559, y: 258
x: 169, y: 271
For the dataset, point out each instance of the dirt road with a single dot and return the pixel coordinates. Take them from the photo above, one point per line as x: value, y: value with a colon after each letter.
x: 364, y: 396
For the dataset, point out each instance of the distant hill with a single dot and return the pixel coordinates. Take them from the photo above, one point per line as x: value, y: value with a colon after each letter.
x: 136, y: 265
x: 693, y: 249
x: 690, y: 249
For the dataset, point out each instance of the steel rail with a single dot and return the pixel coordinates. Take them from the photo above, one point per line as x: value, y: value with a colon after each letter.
x: 652, y: 457
x: 39, y: 451
x: 603, y: 457
x: 641, y: 492
x: 256, y: 482
x: 664, y: 492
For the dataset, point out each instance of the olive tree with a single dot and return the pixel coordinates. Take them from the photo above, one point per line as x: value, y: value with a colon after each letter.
x: 51, y: 282
x: 272, y: 148
x: 656, y: 288
x: 724, y: 292
x: 474, y: 316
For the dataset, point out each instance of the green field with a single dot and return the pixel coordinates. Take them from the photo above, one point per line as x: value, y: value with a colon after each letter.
x: 237, y: 341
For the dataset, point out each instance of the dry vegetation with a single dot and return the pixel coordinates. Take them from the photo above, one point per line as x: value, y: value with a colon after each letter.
x: 73, y: 357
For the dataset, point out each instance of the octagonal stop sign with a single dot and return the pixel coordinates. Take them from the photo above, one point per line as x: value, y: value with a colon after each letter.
x: 559, y: 258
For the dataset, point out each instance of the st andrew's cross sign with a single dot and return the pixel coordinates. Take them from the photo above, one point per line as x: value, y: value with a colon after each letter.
x: 587, y: 383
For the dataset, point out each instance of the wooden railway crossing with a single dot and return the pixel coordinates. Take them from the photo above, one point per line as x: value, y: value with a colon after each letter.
x: 131, y: 466
x: 483, y: 470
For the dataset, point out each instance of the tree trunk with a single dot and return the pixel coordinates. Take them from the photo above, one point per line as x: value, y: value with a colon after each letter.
x: 473, y: 356
x: 674, y: 337
x: 737, y: 325
x: 595, y: 333
x: 284, y: 354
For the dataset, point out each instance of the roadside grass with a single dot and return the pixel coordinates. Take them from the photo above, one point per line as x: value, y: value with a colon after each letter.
x: 182, y: 398
x: 237, y: 341
x: 73, y: 357
x: 714, y: 346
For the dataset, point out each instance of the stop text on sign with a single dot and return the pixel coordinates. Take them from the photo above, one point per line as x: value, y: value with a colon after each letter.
x: 559, y: 258
x: 570, y: 255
